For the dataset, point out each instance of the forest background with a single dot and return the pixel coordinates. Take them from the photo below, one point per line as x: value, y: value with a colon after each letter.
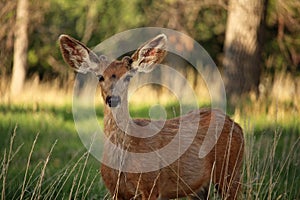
x: 255, y: 44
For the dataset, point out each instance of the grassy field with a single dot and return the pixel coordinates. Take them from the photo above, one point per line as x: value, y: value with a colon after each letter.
x: 42, y: 156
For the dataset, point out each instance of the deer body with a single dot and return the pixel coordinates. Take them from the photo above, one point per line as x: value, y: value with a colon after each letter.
x: 188, y: 175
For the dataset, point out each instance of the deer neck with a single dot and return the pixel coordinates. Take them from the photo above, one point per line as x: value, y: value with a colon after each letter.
x: 115, y: 121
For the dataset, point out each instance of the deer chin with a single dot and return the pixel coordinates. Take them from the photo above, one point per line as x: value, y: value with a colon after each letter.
x: 113, y: 101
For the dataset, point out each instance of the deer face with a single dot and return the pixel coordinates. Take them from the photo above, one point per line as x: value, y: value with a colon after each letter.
x: 115, y: 76
x: 114, y: 81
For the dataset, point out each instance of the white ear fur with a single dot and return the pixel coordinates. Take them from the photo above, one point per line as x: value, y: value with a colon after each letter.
x: 150, y: 53
x: 158, y: 42
x: 78, y: 56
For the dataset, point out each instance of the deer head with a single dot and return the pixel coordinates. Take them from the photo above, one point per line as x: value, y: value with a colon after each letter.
x: 115, y: 76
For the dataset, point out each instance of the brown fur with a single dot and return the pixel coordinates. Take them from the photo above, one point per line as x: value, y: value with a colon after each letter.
x: 189, y: 175
x: 221, y: 165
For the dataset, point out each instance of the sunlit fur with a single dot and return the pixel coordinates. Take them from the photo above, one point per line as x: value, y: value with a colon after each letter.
x: 187, y: 176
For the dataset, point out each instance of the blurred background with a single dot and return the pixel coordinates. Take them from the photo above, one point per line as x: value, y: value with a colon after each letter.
x: 255, y: 44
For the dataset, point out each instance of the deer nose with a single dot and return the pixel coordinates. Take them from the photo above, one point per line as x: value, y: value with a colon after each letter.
x: 113, y: 101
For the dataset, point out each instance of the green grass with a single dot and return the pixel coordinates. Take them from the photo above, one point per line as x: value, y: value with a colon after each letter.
x: 272, y: 163
x: 42, y: 156
x: 57, y: 153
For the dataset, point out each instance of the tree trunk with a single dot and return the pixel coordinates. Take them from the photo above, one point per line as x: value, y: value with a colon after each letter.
x: 20, y: 48
x: 242, y: 48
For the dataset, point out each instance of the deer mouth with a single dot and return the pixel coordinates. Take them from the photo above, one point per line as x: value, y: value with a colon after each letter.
x: 113, y: 101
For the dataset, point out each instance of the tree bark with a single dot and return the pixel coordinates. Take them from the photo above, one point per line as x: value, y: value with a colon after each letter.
x: 242, y: 47
x: 20, y: 48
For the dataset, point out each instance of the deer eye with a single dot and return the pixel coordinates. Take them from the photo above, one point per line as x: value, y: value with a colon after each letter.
x: 113, y: 76
x: 100, y: 78
x: 127, y: 78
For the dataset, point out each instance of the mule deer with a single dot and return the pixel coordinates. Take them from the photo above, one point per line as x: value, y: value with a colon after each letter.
x: 189, y: 175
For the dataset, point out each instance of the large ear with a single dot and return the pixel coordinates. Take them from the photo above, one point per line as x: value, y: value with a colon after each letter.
x: 150, y: 53
x: 78, y: 56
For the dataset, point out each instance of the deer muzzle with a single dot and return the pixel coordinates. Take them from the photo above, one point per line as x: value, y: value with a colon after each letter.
x: 113, y: 101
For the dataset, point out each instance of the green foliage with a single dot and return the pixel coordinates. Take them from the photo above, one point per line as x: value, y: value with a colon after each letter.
x: 282, y: 38
x: 93, y: 21
x: 77, y: 18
